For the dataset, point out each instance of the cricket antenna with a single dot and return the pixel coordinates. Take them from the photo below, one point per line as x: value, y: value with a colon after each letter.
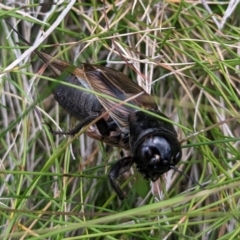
x: 187, y: 176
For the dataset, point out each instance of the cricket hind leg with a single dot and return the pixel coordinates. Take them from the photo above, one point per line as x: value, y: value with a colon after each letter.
x: 101, y: 124
x: 75, y: 130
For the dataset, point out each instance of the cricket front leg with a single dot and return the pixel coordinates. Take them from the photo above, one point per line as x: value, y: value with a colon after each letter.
x: 120, y: 167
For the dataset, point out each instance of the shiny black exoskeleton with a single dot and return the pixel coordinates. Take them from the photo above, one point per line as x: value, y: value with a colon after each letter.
x: 154, y: 147
x: 152, y: 141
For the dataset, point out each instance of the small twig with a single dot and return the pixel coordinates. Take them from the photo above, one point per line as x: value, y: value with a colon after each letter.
x: 205, y: 5
x: 231, y: 7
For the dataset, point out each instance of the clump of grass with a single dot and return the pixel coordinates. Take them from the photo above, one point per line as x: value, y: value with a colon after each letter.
x: 186, y: 55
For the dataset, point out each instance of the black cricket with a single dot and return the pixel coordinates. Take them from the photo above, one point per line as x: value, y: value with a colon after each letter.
x: 152, y: 141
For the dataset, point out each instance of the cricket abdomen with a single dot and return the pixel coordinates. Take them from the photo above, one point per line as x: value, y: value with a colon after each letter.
x: 76, y: 102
